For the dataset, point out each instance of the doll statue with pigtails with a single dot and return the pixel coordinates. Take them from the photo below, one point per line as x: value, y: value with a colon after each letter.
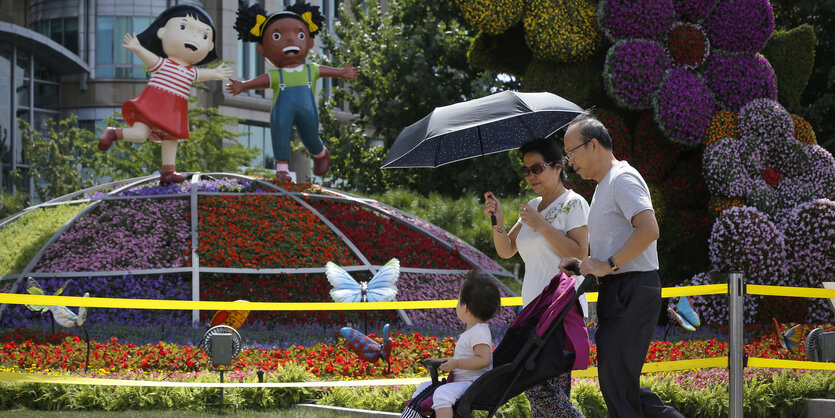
x: 181, y: 37
x: 284, y: 39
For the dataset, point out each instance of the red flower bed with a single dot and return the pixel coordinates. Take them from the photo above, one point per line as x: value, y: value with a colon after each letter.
x: 265, y: 231
x: 62, y: 351
x: 380, y: 237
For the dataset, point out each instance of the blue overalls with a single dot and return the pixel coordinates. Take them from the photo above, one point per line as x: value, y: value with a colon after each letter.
x: 295, y: 105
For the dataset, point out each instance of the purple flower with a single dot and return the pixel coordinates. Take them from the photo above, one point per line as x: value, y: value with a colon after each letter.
x: 810, y: 234
x: 664, y: 38
x: 683, y: 107
x: 739, y: 78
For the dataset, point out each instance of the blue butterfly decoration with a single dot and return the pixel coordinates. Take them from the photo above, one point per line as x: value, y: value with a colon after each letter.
x: 789, y: 340
x: 380, y: 288
x: 685, y: 315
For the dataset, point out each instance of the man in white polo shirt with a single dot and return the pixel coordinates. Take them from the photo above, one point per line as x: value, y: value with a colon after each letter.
x: 622, y: 238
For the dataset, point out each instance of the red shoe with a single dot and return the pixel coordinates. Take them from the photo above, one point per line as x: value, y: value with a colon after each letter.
x: 322, y: 164
x: 283, y: 176
x: 109, y: 137
x: 168, y: 177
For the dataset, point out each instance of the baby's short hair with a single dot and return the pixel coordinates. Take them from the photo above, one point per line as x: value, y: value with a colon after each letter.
x: 480, y: 294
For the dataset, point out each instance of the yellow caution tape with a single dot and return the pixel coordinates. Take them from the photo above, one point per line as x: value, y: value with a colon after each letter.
x: 123, y: 303
x: 702, y: 363
x: 789, y: 364
x: 77, y: 380
x: 211, y: 306
x: 590, y: 372
x: 797, y: 292
x: 705, y: 289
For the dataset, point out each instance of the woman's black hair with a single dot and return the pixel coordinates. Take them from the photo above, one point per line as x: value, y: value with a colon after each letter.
x: 248, y: 19
x: 550, y: 152
x: 148, y: 38
x: 480, y: 295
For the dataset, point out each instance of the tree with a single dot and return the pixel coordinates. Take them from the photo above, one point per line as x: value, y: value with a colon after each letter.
x: 62, y: 157
x: 412, y: 59
x: 818, y: 99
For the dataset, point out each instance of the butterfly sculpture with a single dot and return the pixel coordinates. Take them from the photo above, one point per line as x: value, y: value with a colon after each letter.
x: 365, y: 347
x: 34, y: 288
x: 685, y: 315
x: 790, y: 340
x: 62, y: 315
x: 233, y: 319
x: 380, y: 288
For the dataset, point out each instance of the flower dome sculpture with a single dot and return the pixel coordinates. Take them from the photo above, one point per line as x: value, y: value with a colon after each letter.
x: 223, y: 237
x: 686, y: 59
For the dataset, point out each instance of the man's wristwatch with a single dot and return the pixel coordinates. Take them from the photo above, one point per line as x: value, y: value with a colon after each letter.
x: 612, y: 264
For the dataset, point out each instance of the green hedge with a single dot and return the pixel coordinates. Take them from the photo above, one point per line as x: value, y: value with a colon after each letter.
x: 792, y: 56
x: 502, y: 53
x: 580, y: 82
x: 24, y: 236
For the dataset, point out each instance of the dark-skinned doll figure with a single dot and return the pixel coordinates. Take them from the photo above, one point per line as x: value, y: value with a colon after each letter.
x: 284, y: 39
x: 181, y: 37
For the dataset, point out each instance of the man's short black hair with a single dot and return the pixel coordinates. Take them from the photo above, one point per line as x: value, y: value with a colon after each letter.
x: 590, y: 127
x: 480, y: 295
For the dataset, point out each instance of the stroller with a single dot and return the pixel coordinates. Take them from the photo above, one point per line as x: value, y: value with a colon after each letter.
x: 534, y: 349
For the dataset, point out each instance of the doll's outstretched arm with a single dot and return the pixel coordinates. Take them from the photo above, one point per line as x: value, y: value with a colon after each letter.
x: 131, y: 42
x: 220, y: 72
x: 258, y: 83
x: 349, y: 71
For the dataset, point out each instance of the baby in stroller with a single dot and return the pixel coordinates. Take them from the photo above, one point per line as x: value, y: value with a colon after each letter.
x: 478, y: 301
x: 546, y: 339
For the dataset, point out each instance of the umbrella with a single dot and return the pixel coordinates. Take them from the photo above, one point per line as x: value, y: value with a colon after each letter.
x: 488, y: 125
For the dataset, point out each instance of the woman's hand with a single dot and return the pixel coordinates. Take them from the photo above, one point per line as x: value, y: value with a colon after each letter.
x: 449, y: 365
x: 567, y: 264
x: 531, y: 217
x: 493, y: 207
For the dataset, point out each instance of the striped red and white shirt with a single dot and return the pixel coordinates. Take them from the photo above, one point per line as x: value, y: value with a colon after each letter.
x: 172, y: 77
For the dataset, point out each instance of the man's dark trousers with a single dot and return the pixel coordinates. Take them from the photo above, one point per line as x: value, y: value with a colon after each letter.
x: 627, y: 310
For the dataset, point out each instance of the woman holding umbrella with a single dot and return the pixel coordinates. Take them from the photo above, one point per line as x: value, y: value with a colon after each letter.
x: 550, y: 227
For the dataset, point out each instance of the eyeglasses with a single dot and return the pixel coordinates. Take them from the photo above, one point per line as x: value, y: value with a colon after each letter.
x: 570, y: 154
x: 537, y: 169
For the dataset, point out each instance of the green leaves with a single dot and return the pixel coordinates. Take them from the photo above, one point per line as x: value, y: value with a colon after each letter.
x: 26, y: 235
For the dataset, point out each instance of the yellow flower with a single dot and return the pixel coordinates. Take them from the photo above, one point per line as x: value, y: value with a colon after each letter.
x: 492, y: 16
x: 562, y: 30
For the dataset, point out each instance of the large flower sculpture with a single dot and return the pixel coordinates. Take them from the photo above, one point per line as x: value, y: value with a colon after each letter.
x: 685, y: 60
x: 765, y: 165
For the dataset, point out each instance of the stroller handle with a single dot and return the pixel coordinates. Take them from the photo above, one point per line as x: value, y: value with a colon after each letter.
x: 584, y: 286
